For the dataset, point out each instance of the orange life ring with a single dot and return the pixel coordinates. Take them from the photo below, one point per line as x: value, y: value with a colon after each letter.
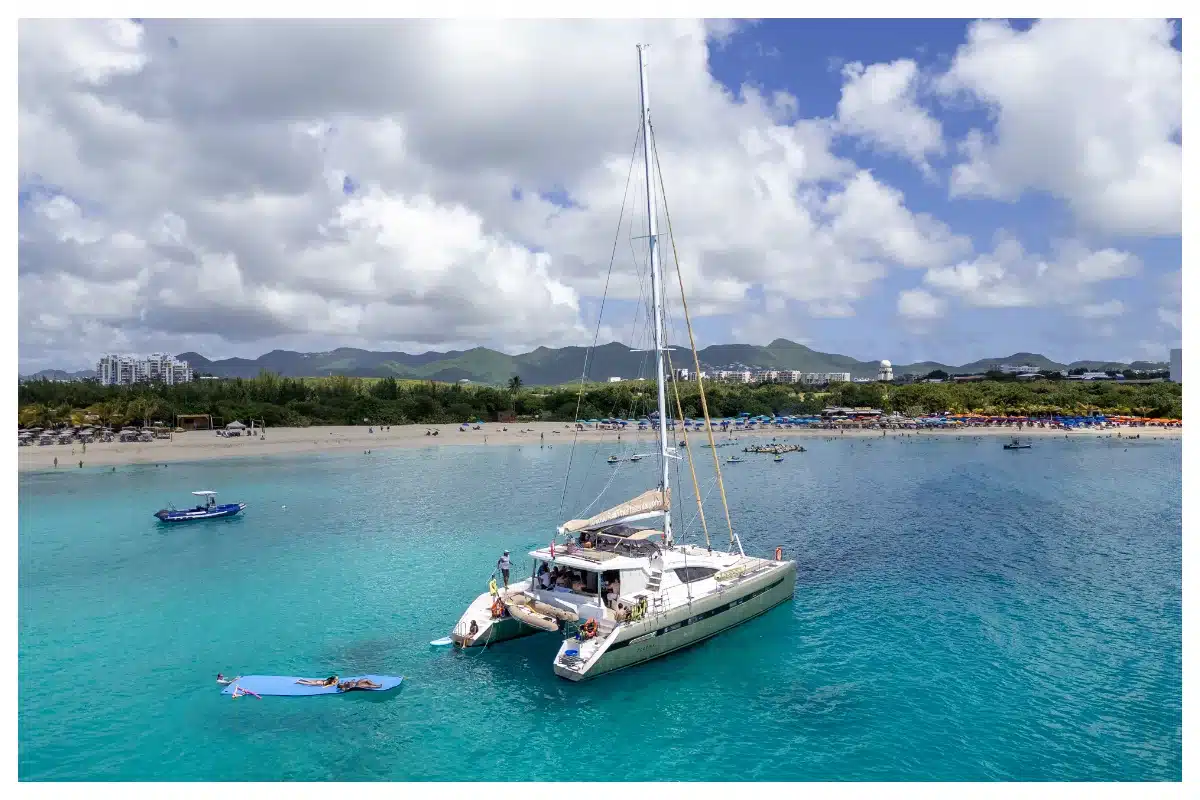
x: 497, y: 608
x: 779, y: 554
x: 588, y: 629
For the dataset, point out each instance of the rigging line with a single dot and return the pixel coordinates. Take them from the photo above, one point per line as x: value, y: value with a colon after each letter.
x: 691, y: 335
x: 600, y: 315
x: 712, y: 484
x: 691, y: 466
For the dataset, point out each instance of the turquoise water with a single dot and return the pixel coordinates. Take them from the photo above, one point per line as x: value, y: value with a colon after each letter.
x: 961, y: 612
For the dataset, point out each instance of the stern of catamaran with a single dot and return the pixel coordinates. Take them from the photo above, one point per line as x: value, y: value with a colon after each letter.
x: 487, y: 621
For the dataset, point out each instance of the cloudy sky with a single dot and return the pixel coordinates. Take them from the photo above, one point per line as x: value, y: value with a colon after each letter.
x: 903, y: 189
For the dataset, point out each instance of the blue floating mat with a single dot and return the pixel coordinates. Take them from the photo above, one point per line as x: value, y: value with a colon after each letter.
x: 286, y: 686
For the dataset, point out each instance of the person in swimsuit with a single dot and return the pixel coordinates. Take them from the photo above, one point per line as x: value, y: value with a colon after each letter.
x: 361, y: 683
x: 330, y: 681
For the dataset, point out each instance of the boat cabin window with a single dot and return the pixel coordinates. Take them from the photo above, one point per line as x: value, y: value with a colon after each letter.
x: 693, y: 574
x: 565, y: 578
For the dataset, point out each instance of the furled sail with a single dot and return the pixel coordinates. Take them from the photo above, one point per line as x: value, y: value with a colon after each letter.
x: 647, y: 505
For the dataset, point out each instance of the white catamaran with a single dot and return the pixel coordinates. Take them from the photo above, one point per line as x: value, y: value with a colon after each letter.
x: 618, y: 584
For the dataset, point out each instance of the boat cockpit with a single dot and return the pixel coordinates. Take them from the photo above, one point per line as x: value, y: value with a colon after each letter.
x: 604, y: 573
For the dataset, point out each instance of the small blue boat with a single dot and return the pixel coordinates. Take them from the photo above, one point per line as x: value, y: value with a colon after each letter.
x: 208, y: 510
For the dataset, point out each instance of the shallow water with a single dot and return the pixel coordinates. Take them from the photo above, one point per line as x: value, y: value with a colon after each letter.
x: 961, y: 612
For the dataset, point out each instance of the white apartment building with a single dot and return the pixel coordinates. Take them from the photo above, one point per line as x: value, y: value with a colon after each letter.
x: 789, y: 376
x: 124, y: 370
x: 820, y: 378
x: 1022, y: 369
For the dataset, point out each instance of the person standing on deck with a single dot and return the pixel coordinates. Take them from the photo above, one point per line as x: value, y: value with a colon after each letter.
x: 504, y: 565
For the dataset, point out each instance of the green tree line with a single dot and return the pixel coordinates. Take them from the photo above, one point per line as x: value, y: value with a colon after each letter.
x: 340, y: 400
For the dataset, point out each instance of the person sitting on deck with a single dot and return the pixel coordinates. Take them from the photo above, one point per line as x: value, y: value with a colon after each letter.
x: 361, y: 683
x: 330, y: 681
x: 543, y: 577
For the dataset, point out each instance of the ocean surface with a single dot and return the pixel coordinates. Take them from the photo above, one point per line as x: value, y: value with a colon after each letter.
x: 961, y: 613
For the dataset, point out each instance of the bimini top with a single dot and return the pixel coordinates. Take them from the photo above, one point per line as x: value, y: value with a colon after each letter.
x: 205, y: 493
x: 647, y: 505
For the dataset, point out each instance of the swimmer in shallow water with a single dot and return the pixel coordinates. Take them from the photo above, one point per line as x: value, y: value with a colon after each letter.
x: 221, y: 679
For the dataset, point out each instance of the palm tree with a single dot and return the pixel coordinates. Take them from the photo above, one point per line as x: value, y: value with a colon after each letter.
x: 35, y: 414
x: 59, y: 415
x: 112, y: 413
x: 514, y: 383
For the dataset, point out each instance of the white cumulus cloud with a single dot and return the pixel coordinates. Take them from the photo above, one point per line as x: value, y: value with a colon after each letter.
x: 1089, y: 111
x: 1009, y: 277
x: 1110, y: 308
x: 879, y: 104
x: 232, y: 186
x: 919, y: 304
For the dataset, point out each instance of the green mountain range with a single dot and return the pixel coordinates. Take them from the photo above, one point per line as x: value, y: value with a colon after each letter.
x: 553, y: 366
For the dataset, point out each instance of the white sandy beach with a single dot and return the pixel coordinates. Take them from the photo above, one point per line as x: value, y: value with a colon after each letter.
x: 200, y: 445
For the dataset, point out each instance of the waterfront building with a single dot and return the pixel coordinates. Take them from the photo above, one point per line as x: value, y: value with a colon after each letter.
x: 821, y: 378
x: 125, y: 370
x: 1019, y: 370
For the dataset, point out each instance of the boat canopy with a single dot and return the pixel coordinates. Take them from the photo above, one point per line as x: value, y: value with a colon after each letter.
x: 205, y: 493
x: 647, y: 505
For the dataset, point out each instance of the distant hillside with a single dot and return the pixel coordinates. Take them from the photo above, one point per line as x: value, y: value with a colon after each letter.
x: 547, y: 366
x: 1016, y: 359
x: 60, y: 375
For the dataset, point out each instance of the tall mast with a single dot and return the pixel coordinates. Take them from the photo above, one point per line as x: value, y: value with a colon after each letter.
x: 656, y: 289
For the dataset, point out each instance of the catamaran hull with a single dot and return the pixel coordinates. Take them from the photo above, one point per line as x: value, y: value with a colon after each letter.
x: 488, y: 631
x: 499, y: 630
x: 674, y: 630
